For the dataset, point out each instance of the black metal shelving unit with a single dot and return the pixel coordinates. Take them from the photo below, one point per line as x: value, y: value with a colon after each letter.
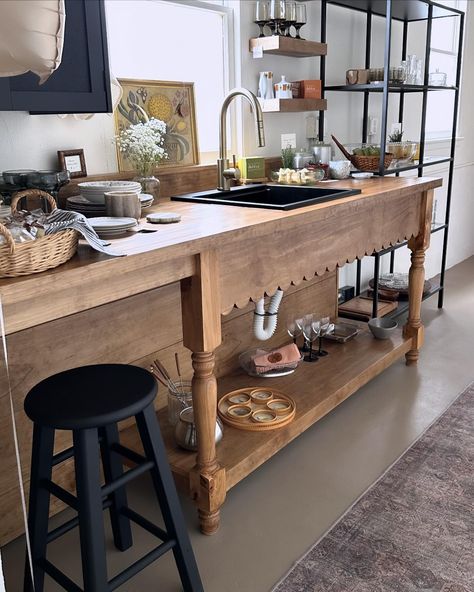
x: 405, y: 11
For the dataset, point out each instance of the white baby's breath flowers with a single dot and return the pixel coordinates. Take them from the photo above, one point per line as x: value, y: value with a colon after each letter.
x: 143, y: 144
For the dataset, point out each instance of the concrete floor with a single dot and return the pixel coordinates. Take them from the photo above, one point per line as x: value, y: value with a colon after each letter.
x: 271, y: 518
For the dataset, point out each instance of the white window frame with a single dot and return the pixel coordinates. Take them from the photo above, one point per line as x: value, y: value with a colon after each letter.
x: 440, y: 135
x: 229, y: 60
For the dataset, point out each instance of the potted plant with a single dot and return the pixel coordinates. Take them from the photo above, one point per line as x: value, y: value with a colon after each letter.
x: 143, y: 144
x: 402, y: 151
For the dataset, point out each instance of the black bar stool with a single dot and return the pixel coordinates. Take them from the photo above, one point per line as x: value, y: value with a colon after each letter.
x: 90, y: 401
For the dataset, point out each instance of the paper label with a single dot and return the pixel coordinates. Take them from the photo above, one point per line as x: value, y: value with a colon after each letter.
x: 257, y: 52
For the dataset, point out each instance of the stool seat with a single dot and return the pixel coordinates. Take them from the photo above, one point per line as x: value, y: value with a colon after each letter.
x: 90, y: 396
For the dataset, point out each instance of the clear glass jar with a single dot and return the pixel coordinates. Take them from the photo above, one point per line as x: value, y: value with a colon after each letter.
x: 179, y: 397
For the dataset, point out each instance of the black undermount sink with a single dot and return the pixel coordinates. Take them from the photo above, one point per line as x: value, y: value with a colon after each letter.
x: 273, y: 197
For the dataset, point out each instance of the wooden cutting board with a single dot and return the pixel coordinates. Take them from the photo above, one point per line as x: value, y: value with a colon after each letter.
x: 362, y: 308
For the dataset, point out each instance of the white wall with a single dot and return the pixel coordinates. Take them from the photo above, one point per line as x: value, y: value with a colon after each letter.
x: 31, y: 141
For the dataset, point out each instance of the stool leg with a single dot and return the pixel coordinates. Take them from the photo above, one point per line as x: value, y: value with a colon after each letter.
x: 112, y: 465
x: 168, y: 499
x: 38, y: 510
x: 89, y: 499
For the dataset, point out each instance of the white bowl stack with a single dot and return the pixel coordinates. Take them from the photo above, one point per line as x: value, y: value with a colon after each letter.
x: 94, y: 190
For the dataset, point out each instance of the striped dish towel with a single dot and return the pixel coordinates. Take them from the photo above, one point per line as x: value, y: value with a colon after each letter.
x: 62, y: 220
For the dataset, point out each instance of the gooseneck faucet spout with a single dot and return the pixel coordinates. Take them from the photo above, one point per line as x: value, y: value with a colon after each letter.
x: 224, y: 173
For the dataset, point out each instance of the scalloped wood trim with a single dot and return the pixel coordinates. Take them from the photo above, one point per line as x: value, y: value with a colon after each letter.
x: 313, y: 248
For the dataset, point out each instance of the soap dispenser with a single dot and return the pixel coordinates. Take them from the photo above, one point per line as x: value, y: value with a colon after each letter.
x: 283, y: 89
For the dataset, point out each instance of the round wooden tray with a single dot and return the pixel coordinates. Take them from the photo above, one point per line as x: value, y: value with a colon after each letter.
x: 249, y: 424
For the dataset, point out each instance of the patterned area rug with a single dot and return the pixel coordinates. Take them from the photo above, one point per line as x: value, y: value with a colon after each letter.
x: 413, y: 530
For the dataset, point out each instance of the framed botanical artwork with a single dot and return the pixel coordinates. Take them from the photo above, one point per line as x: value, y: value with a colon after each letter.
x: 73, y: 161
x: 171, y: 102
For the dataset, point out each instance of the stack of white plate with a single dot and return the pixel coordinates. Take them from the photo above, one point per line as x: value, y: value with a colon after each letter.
x: 146, y: 199
x: 94, y: 190
x: 5, y: 211
x: 108, y: 228
x: 80, y: 204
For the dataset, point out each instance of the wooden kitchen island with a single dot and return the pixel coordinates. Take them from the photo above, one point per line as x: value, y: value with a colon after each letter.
x: 171, y: 293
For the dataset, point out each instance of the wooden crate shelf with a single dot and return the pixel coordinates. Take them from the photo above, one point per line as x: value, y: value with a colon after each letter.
x: 292, y: 105
x: 287, y: 46
x: 317, y: 388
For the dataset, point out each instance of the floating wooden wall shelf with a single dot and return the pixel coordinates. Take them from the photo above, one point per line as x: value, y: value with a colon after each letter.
x: 292, y: 105
x: 287, y: 46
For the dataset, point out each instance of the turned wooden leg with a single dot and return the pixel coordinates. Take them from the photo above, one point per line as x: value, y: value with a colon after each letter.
x: 201, y: 312
x: 414, y: 327
x: 207, y: 479
x: 416, y: 277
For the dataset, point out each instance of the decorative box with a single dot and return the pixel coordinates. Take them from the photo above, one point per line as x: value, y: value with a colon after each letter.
x: 308, y: 89
x: 252, y: 167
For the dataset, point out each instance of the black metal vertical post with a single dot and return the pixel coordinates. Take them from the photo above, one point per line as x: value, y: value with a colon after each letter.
x: 451, y: 164
x: 358, y: 274
x: 392, y: 261
x: 386, y: 74
x: 322, y: 67
x: 375, y: 296
x: 404, y: 57
x: 368, y: 43
x: 425, y: 89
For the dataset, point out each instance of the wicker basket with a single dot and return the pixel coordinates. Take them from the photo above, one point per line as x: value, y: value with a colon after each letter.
x: 365, y: 163
x: 37, y: 255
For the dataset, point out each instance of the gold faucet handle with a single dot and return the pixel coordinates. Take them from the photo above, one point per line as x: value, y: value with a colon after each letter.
x: 232, y: 172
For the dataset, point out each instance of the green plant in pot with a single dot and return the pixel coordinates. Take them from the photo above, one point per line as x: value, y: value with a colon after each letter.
x: 287, y: 156
x: 402, y: 151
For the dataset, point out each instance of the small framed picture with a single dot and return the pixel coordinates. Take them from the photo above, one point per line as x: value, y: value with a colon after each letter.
x: 73, y: 161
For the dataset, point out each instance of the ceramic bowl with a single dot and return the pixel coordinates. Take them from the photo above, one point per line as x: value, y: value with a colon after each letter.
x: 94, y: 190
x: 339, y: 169
x: 382, y: 328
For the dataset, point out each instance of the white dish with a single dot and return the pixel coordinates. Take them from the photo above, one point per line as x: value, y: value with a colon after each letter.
x: 94, y: 190
x: 362, y: 175
x: 109, y: 223
x: 245, y: 363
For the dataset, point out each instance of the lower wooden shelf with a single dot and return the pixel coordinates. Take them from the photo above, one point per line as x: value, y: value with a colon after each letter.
x: 292, y: 105
x: 317, y: 388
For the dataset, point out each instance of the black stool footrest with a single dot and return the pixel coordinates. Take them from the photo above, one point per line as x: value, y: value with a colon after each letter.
x: 145, y: 524
x: 59, y: 577
x: 126, y: 477
x: 136, y: 567
x: 60, y: 530
x: 62, y: 456
x: 70, y: 524
x: 60, y: 493
x: 127, y: 453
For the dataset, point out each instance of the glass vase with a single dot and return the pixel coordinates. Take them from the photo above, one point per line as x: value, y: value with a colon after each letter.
x: 150, y: 184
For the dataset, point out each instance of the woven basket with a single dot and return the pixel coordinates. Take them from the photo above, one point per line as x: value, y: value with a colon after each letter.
x: 365, y: 163
x: 37, y: 255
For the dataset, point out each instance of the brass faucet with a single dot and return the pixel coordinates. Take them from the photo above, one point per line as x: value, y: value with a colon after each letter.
x: 224, y: 173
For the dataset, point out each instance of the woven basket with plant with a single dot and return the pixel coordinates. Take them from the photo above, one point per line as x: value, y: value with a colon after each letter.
x: 367, y: 158
x: 37, y: 255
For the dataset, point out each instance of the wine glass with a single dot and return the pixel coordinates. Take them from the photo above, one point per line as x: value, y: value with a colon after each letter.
x: 311, y: 331
x: 277, y: 16
x: 300, y: 18
x: 261, y: 15
x: 325, y: 325
x: 290, y: 16
x: 294, y: 329
x: 304, y: 320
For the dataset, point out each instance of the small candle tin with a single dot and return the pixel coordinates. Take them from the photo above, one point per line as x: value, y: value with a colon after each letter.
x: 239, y: 411
x: 264, y: 416
x: 261, y: 396
x: 279, y: 406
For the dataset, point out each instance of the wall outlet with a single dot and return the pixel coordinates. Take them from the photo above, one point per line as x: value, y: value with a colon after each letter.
x: 373, y: 126
x: 311, y: 127
x: 395, y: 128
x: 288, y: 141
